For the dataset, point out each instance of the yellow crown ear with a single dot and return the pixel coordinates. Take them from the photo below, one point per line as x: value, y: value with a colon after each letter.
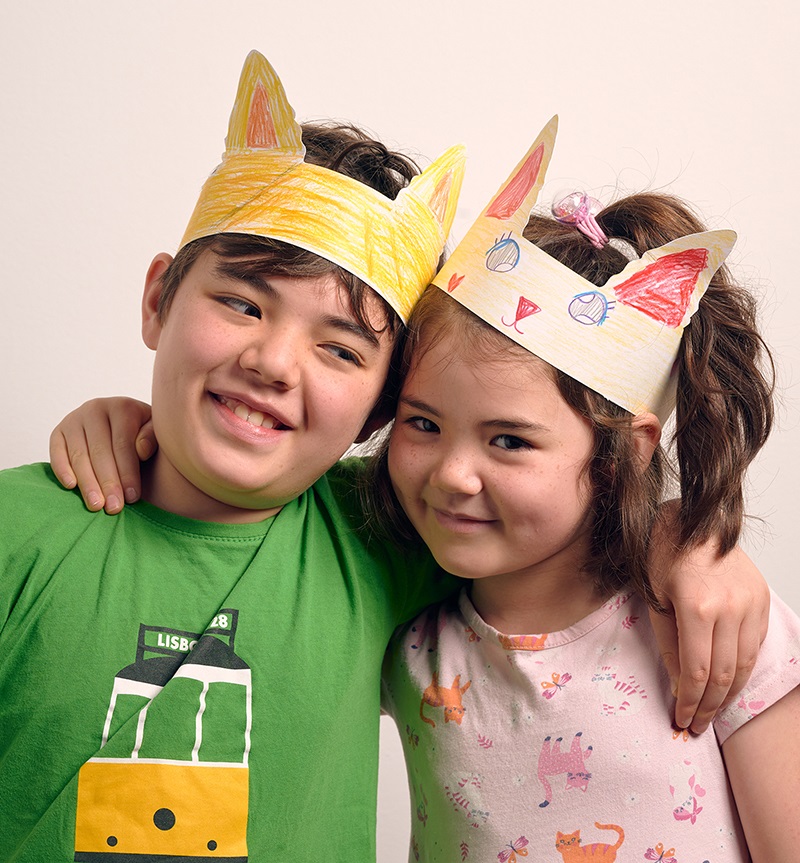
x: 439, y: 186
x: 262, y: 118
x: 517, y: 196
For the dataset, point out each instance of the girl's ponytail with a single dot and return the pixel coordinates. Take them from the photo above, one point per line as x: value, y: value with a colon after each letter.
x: 724, y: 410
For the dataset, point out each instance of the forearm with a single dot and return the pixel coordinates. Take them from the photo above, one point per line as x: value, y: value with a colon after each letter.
x: 763, y: 763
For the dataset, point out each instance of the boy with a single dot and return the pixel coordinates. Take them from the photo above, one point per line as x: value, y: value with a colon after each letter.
x: 166, y: 673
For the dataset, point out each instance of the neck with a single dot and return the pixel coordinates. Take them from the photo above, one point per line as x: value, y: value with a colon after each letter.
x: 526, y: 604
x: 167, y: 489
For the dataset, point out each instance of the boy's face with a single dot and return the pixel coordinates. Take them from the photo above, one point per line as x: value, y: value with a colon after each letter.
x: 260, y: 384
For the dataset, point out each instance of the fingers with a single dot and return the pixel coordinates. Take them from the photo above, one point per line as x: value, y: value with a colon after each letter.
x: 708, y: 669
x: 146, y: 443
x: 95, y: 448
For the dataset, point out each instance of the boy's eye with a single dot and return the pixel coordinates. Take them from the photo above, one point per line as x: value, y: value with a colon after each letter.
x: 509, y: 442
x: 343, y: 354
x: 423, y: 424
x: 241, y: 306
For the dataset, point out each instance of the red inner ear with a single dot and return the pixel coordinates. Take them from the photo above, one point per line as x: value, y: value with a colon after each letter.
x: 663, y: 289
x: 510, y: 199
x: 260, y: 128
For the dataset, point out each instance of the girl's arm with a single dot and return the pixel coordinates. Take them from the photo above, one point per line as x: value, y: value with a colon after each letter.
x: 763, y: 762
x: 98, y: 448
x: 718, y: 605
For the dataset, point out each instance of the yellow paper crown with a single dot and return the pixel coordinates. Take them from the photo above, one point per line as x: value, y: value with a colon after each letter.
x: 621, y: 340
x: 264, y: 187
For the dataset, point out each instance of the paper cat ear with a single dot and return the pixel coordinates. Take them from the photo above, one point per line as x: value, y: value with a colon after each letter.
x: 517, y: 196
x: 666, y: 283
x: 262, y: 118
x: 439, y: 185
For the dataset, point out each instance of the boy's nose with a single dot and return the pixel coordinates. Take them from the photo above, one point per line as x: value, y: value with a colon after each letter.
x: 275, y: 360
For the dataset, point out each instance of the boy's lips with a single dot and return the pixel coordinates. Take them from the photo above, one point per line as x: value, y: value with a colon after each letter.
x: 254, y: 415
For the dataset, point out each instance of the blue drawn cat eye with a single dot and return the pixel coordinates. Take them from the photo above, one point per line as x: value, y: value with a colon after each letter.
x: 504, y: 255
x: 590, y: 308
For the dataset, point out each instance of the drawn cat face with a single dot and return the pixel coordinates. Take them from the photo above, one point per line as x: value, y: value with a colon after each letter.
x: 578, y: 780
x: 455, y: 713
x: 568, y: 840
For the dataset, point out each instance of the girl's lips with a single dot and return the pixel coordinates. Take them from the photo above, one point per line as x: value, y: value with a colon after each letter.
x: 460, y: 522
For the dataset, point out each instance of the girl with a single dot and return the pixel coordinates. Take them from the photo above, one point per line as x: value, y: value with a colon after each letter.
x: 534, y: 708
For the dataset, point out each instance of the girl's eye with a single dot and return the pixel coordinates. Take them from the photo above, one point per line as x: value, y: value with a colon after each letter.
x: 241, y: 306
x: 509, y: 442
x: 423, y: 424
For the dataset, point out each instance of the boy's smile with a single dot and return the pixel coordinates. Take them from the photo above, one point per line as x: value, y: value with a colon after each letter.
x: 260, y: 384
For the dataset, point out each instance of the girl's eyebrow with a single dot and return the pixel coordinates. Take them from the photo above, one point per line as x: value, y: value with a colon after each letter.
x: 513, y: 424
x: 419, y: 405
x: 243, y: 271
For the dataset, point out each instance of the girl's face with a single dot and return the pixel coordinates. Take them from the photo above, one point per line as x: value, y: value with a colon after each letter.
x: 487, y: 459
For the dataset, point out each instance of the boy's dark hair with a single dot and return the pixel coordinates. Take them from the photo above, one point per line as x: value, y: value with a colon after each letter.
x: 348, y: 150
x: 724, y: 409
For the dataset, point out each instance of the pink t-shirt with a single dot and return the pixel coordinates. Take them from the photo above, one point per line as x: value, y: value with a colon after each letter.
x: 515, y: 743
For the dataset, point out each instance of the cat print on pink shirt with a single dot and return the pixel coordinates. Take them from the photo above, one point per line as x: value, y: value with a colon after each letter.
x: 553, y: 762
x: 686, y: 790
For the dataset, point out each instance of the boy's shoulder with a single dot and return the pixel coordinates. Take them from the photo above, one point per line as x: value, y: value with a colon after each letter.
x: 32, y: 485
x: 31, y: 497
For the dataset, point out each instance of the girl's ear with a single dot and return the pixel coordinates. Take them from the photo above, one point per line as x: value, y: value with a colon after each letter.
x: 646, y: 437
x: 151, y: 323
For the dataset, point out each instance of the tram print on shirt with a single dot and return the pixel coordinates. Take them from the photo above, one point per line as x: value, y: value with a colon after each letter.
x: 170, y: 780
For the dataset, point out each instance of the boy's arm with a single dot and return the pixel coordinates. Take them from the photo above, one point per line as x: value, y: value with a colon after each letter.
x: 717, y: 617
x: 763, y: 763
x: 98, y: 447
x: 720, y: 605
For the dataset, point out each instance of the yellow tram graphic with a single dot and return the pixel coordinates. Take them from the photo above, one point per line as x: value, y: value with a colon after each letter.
x: 170, y: 781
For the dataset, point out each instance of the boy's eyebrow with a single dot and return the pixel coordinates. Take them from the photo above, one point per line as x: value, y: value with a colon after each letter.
x: 240, y: 271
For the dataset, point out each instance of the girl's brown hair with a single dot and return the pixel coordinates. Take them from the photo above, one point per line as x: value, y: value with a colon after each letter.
x: 724, y: 408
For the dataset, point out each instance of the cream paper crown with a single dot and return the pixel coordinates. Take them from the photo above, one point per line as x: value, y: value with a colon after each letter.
x: 264, y: 187
x: 620, y: 340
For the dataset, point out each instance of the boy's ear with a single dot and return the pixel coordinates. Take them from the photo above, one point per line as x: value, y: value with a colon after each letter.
x: 151, y: 323
x: 646, y: 437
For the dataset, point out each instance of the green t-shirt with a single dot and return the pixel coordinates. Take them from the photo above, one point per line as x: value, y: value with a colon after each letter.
x: 194, y: 690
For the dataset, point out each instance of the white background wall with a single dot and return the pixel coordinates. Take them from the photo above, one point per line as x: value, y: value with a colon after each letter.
x: 114, y: 113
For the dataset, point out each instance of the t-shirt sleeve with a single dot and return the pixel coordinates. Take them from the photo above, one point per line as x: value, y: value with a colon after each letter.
x: 776, y: 672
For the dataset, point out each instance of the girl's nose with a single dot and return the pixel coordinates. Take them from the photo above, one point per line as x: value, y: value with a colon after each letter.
x: 455, y: 473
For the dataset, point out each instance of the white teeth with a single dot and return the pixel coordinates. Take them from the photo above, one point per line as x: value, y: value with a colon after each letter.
x: 254, y: 417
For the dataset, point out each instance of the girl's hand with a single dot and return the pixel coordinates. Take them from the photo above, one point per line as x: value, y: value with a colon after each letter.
x: 718, y: 612
x: 98, y: 447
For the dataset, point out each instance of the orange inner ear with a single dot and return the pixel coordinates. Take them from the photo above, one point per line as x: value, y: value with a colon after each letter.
x: 438, y: 201
x: 260, y: 128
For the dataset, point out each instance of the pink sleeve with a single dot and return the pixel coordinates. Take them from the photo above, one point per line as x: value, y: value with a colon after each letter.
x: 777, y: 672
